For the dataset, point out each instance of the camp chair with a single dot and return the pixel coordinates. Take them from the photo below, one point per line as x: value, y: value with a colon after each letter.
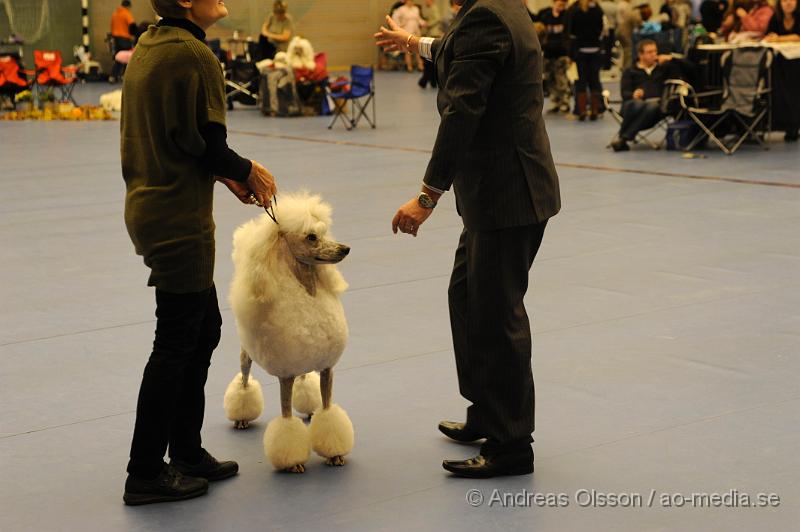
x: 361, y: 94
x: 669, y: 111
x: 741, y: 108
x: 13, y: 77
x: 50, y: 73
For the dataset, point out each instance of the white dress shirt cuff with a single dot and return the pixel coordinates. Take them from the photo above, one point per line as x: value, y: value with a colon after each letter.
x: 434, y: 189
x: 425, y: 47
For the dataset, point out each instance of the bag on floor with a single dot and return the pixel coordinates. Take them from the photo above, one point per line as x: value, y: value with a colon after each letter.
x: 279, y: 94
x: 680, y: 134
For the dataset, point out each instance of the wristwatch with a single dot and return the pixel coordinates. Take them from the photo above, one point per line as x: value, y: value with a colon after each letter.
x: 425, y: 201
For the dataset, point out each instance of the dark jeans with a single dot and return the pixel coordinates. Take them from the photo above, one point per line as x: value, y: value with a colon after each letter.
x: 428, y: 74
x: 589, y: 66
x: 638, y: 115
x: 492, y: 335
x: 172, y: 398
x: 120, y: 44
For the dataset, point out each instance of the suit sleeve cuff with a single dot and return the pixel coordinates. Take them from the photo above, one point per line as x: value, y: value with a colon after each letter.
x: 425, y: 47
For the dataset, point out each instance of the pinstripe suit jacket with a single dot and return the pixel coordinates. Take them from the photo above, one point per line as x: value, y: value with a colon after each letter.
x: 492, y: 145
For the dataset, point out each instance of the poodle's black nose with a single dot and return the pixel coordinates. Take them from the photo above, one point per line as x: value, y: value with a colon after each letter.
x: 345, y: 250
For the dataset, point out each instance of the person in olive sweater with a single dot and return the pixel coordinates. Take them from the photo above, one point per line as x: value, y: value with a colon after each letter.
x: 173, y: 149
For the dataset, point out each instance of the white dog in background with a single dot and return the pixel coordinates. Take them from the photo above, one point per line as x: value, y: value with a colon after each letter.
x: 299, y: 54
x: 285, y: 297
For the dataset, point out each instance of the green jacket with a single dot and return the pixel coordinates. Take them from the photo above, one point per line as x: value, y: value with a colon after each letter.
x: 173, y: 86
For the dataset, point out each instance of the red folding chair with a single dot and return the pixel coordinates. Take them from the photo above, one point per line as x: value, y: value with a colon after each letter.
x: 50, y: 73
x: 12, y: 77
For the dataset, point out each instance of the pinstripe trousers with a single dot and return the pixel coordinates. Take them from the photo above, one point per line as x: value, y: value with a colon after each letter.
x: 491, y: 333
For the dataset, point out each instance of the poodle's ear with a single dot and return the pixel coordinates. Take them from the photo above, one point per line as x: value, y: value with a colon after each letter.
x: 331, y: 279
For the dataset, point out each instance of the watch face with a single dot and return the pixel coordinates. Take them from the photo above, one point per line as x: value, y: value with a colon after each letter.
x: 426, y: 201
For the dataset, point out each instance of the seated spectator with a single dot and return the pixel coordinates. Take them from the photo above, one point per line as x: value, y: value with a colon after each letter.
x: 642, y: 86
x: 747, y: 22
x: 785, y: 27
x: 277, y: 31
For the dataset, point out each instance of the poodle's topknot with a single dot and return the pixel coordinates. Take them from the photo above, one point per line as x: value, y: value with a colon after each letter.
x: 301, y: 212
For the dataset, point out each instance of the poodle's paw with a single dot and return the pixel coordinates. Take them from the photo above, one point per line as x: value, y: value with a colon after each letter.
x: 306, y: 397
x: 299, y: 468
x: 332, y: 433
x: 335, y: 461
x: 287, y: 443
x: 242, y: 403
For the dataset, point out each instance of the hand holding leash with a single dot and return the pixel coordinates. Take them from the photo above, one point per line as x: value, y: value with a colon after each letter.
x: 262, y: 183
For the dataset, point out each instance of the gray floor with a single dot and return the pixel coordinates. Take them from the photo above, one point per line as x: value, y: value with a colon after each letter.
x: 664, y: 304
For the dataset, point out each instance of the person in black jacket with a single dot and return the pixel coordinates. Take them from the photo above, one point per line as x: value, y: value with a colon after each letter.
x: 585, y: 28
x: 711, y: 14
x: 493, y: 149
x: 556, y: 53
x: 642, y: 86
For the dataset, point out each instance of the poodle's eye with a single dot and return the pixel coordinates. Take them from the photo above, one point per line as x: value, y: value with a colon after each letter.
x: 312, y: 237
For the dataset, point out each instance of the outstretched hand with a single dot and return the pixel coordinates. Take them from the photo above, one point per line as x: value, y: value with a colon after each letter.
x: 393, y: 38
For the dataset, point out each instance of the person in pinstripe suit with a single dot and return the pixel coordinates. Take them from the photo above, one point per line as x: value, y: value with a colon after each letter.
x: 493, y: 149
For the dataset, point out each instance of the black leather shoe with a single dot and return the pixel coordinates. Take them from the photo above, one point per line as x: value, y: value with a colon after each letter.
x: 620, y: 145
x: 169, y: 485
x: 208, y: 468
x: 458, y: 431
x: 491, y: 466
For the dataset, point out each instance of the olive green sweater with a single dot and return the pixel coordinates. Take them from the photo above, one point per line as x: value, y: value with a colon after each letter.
x: 173, y: 86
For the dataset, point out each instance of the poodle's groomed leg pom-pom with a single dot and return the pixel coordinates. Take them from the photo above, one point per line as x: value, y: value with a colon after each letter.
x: 332, y: 434
x: 243, y: 403
x: 306, y: 397
x: 287, y: 444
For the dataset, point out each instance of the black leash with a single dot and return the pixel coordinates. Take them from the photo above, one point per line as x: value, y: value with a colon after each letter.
x: 269, y: 209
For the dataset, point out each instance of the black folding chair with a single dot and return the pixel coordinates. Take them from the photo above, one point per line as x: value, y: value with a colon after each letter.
x: 741, y: 109
x: 361, y: 96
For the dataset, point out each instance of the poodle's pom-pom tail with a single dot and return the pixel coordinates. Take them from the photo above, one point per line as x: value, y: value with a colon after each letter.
x: 331, y: 432
x: 243, y: 403
x: 286, y: 442
x: 306, y: 397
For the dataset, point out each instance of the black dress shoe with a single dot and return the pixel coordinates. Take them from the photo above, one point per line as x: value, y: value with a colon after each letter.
x: 491, y: 466
x: 458, y: 431
x: 208, y: 467
x: 620, y: 145
x: 169, y: 485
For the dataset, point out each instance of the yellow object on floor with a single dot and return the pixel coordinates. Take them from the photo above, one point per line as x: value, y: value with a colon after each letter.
x: 61, y: 111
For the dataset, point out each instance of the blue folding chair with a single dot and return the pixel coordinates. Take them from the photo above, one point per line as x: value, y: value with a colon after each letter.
x: 361, y: 95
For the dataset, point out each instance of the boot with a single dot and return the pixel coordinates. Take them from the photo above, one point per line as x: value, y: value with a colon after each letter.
x: 596, y: 106
x: 580, y: 99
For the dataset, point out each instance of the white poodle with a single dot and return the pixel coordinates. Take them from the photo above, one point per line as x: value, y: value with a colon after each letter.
x: 300, y: 54
x: 285, y: 297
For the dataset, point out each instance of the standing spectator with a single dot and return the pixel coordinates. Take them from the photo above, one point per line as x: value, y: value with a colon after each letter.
x: 747, y: 23
x: 277, y: 31
x: 556, y: 53
x: 450, y: 15
x: 123, y: 28
x: 409, y: 18
x: 711, y: 14
x: 433, y: 29
x: 629, y: 20
x: 586, y: 27
x: 173, y: 149
x: 785, y: 27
